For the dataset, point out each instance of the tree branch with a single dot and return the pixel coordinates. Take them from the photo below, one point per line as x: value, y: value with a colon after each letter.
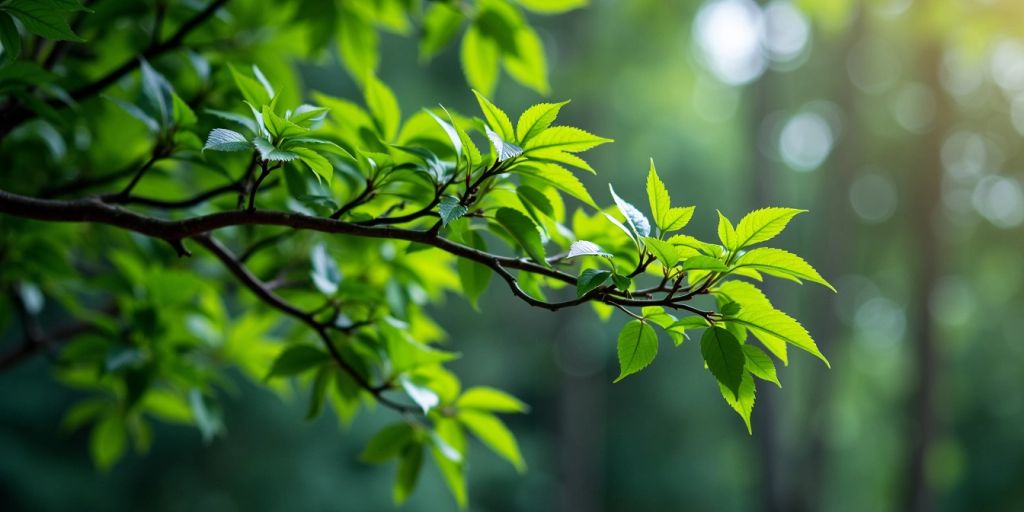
x: 270, y: 298
x: 176, y: 231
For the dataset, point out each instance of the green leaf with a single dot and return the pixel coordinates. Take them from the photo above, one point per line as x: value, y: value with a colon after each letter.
x: 318, y: 392
x: 636, y: 221
x: 441, y: 23
x: 473, y: 276
x: 207, y: 417
x: 295, y: 360
x: 770, y: 325
x: 780, y: 263
x: 387, y: 443
x: 252, y: 90
x: 497, y: 119
x: 306, y: 115
x: 450, y: 131
x: 449, y: 431
x: 585, y: 248
x: 420, y: 393
x: 408, y: 472
x: 666, y: 217
x: 535, y: 120
x: 524, y: 231
x: 272, y: 153
x: 552, y: 6
x: 659, y: 317
x: 637, y: 347
x: 358, y: 45
x: 108, y: 441
x: 590, y: 279
x: 383, y: 108
x: 221, y: 139
x: 181, y: 113
x: 245, y: 121
x: 760, y: 365
x: 679, y: 327
x: 704, y: 263
x: 558, y: 156
x: 316, y: 162
x: 621, y: 282
x: 450, y: 209
x: 479, y: 55
x: 528, y: 65
x: 45, y: 18
x: 724, y: 357
x: 726, y: 232
x: 560, y: 178
x: 10, y: 39
x: 155, y: 90
x: 664, y: 251
x: 743, y: 403
x: 493, y: 433
x: 489, y: 399
x: 280, y: 127
x: 325, y: 273
x: 503, y: 150
x: 762, y: 225
x: 564, y: 138
x: 694, y: 246
x: 534, y: 200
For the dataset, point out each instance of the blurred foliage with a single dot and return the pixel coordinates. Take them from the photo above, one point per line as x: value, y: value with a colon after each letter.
x: 856, y: 111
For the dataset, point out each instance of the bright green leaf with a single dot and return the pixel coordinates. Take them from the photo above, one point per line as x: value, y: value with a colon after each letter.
x: 524, y: 231
x: 637, y: 348
x: 743, y: 403
x: 760, y: 365
x: 780, y: 263
x: 494, y: 434
x: 490, y: 399
x: 762, y: 225
x: 534, y: 120
x: 666, y: 253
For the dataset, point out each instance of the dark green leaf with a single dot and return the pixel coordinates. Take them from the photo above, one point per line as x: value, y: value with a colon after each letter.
x: 46, y: 18
x: 590, y: 279
x: 296, y: 359
x: 388, y: 443
x: 10, y: 39
x: 724, y: 357
x: 450, y: 209
x: 408, y: 472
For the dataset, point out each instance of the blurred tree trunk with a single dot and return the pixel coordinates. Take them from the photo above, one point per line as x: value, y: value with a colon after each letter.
x: 581, y: 418
x: 764, y: 417
x: 926, y: 264
x: 832, y: 259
